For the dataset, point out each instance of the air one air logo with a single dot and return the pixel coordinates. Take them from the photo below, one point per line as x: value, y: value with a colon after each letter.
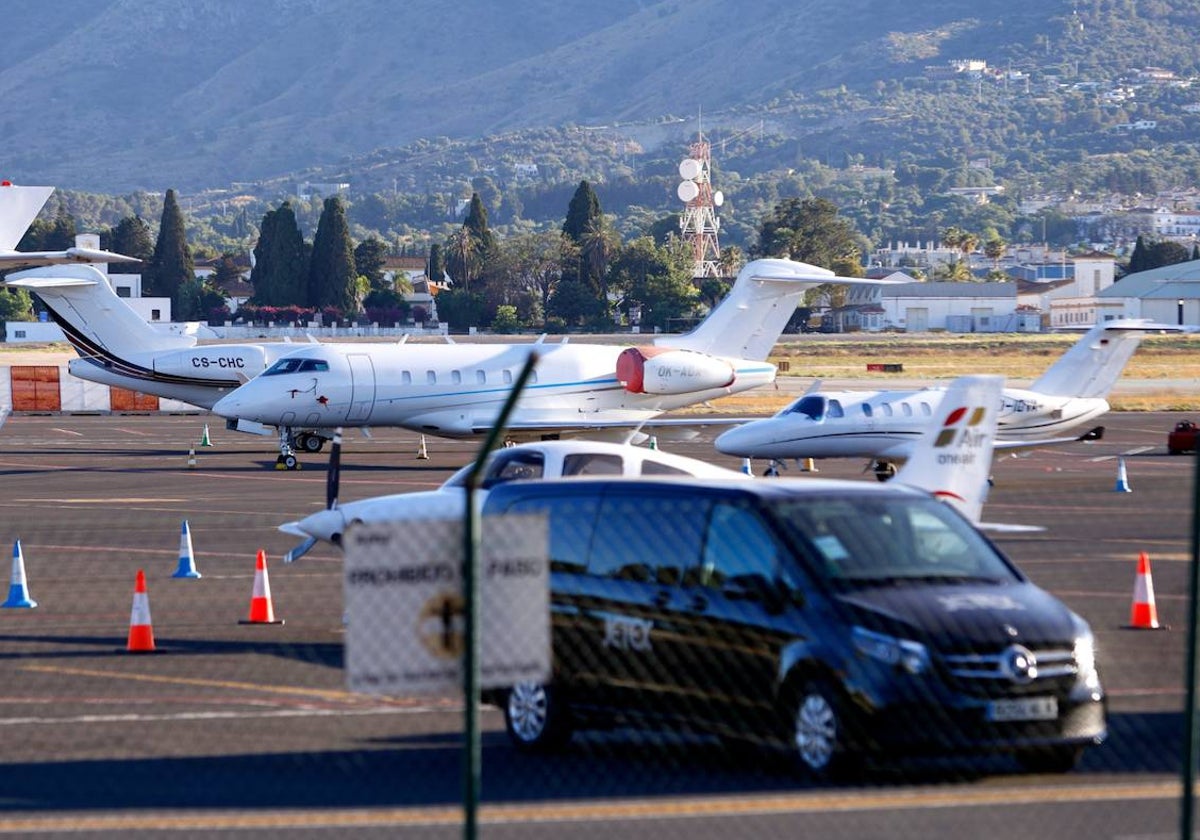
x: 960, y: 430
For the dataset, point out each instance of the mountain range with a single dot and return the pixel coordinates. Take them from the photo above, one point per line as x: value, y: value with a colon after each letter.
x: 121, y: 95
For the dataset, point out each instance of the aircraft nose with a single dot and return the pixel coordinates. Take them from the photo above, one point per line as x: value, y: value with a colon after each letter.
x: 323, y: 525
x: 736, y: 441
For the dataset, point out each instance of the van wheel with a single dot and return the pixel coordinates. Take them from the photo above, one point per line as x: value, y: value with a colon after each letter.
x: 536, y: 717
x: 1050, y: 759
x: 819, y: 740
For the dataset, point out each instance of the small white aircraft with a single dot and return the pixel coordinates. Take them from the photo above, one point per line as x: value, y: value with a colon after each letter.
x: 19, y: 206
x: 951, y: 461
x: 451, y: 390
x: 882, y: 425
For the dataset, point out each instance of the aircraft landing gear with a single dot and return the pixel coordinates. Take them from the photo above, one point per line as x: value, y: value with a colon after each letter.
x: 309, y: 442
x: 772, y: 470
x: 884, y: 470
x: 287, y: 459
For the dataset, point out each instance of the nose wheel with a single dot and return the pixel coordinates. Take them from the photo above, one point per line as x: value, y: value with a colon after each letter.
x: 287, y: 459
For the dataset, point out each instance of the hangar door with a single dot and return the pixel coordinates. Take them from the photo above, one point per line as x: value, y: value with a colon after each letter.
x: 916, y: 319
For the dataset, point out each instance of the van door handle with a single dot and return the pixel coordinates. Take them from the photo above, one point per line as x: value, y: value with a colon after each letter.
x: 662, y: 598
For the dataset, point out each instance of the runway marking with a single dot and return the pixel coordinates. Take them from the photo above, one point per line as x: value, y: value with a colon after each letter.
x: 628, y: 810
x: 133, y: 431
x: 68, y: 432
x: 188, y: 716
x: 293, y: 691
x: 130, y: 500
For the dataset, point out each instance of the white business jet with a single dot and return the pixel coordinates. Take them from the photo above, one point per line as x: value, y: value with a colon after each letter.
x: 19, y: 206
x: 951, y: 460
x: 882, y: 425
x: 451, y: 390
x: 456, y: 390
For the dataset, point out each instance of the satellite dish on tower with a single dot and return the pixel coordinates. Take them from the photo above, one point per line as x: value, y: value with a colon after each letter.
x: 718, y: 198
x: 687, y: 190
x: 689, y: 168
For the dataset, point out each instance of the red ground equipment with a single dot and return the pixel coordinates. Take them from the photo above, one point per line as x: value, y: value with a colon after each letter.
x: 1183, y: 438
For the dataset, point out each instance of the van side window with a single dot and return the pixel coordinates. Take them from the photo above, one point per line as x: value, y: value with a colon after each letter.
x: 737, y: 548
x: 646, y: 538
x: 592, y: 464
x: 570, y: 528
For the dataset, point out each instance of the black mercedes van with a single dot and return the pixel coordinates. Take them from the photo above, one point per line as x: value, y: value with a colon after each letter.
x: 838, y: 619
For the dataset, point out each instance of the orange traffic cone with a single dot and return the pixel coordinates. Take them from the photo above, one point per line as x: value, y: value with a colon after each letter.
x: 141, y: 634
x: 1143, y: 615
x: 261, y: 610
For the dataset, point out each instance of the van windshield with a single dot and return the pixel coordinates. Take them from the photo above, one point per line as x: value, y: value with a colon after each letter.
x: 889, y: 541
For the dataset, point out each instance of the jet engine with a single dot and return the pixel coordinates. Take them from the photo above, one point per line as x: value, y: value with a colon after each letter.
x: 663, y: 370
x: 214, y: 362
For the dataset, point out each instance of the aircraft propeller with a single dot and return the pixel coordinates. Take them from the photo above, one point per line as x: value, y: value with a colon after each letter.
x: 332, y: 481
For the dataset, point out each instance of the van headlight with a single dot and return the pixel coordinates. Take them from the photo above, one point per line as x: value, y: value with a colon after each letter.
x: 912, y: 656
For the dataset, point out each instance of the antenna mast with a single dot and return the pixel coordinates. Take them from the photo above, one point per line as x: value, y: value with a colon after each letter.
x: 699, y: 223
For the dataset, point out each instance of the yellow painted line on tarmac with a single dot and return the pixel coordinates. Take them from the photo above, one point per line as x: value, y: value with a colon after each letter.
x: 650, y: 809
x: 286, y: 690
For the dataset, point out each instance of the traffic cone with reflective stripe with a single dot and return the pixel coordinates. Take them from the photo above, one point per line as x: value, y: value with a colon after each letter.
x: 191, y: 461
x: 1122, y: 478
x: 746, y: 468
x: 18, y: 590
x: 204, y: 438
x: 187, y: 560
x: 261, y: 609
x: 1143, y: 615
x: 422, y: 451
x: 141, y: 634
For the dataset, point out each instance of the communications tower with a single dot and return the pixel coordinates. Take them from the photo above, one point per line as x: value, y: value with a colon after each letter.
x: 699, y: 223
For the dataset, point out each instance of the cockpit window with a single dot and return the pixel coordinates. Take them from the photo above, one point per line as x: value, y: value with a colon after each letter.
x: 514, y: 466
x: 812, y: 405
x: 297, y: 366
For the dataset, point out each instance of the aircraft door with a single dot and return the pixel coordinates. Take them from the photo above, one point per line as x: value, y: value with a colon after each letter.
x: 362, y: 388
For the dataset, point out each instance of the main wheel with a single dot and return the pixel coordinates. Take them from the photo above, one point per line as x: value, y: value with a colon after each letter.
x: 310, y: 443
x: 819, y: 730
x: 536, y: 717
x: 884, y: 470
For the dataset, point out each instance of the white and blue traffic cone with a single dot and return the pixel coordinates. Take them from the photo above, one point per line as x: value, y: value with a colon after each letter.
x: 187, y: 560
x: 18, y: 591
x: 1122, y: 478
x: 746, y: 468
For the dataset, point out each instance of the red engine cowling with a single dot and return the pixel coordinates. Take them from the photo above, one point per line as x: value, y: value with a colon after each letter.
x: 662, y: 370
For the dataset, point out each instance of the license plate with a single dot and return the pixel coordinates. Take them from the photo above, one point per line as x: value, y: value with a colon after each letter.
x: 1024, y: 708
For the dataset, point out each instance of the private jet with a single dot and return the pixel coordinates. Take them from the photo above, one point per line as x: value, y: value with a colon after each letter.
x: 450, y: 390
x: 19, y: 206
x: 882, y: 425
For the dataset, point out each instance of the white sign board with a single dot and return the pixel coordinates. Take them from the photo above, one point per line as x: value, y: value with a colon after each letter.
x: 404, y: 603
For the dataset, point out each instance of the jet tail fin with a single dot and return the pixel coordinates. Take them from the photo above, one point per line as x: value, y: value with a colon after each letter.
x: 98, y: 324
x: 748, y: 322
x: 953, y: 458
x: 19, y: 206
x: 1093, y: 364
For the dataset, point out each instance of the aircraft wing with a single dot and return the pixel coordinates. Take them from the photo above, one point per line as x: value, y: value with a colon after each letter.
x: 1093, y: 434
x: 675, y: 428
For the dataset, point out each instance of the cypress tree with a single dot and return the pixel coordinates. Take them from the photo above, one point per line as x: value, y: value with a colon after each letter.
x: 262, y: 275
x: 171, y: 268
x: 331, y: 280
x: 289, y: 259
x: 435, y: 269
x: 1137, y: 259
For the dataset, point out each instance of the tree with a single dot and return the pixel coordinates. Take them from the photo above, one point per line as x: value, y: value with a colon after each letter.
x: 1138, y: 258
x: 472, y: 249
x: 370, y: 258
x: 62, y: 233
x: 171, y: 266
x: 656, y: 281
x: 332, y: 281
x: 586, y: 227
x: 811, y: 231
x: 532, y: 265
x: 15, y: 305
x: 132, y: 238
x: 280, y: 273
x: 435, y: 270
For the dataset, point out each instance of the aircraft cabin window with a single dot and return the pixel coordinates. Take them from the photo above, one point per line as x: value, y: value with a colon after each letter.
x: 480, y: 377
x: 887, y: 409
x: 906, y: 409
x: 405, y: 377
x: 658, y: 468
x: 926, y: 411
x: 835, y: 409
x: 431, y: 377
x: 508, y: 377
x: 456, y: 377
x: 867, y: 410
x: 592, y: 464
